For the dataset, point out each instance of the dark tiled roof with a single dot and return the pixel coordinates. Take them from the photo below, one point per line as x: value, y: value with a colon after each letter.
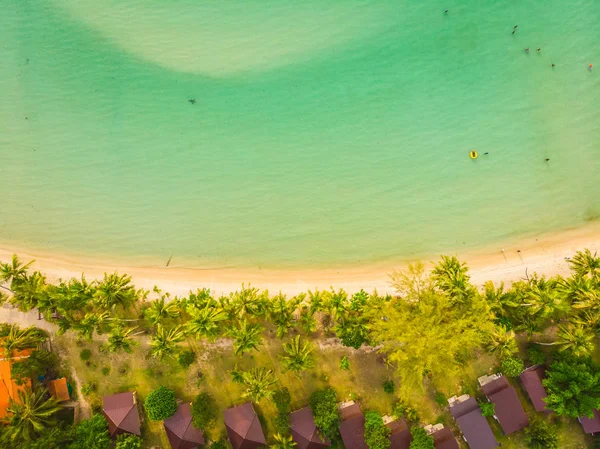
x: 243, y: 427
x: 180, y: 431
x: 508, y: 408
x: 400, y: 437
x: 473, y: 425
x: 305, y: 432
x: 531, y: 379
x: 444, y: 439
x: 121, y: 413
x: 352, y: 428
x: 591, y: 425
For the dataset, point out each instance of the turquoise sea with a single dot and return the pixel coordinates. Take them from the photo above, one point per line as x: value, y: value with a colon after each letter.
x: 319, y: 133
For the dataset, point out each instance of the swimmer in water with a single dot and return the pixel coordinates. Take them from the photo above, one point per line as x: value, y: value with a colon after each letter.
x: 486, y: 153
x: 539, y: 49
x: 547, y: 159
x: 513, y: 32
x: 553, y: 65
x: 527, y: 50
x: 591, y: 66
x: 515, y: 27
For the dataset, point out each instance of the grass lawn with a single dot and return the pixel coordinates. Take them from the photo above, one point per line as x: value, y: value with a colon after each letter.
x: 362, y: 382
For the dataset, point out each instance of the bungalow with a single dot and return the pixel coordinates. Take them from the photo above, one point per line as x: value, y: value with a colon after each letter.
x: 591, y: 425
x: 400, y: 436
x: 59, y: 389
x: 352, y: 427
x: 305, y: 432
x: 243, y: 427
x: 9, y: 390
x: 508, y: 409
x: 531, y: 379
x: 180, y: 431
x: 442, y: 437
x: 121, y: 413
x: 473, y: 425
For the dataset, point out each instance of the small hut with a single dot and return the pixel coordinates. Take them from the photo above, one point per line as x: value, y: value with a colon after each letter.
x: 243, y: 427
x: 180, y: 431
x: 59, y: 389
x: 121, y: 413
x: 305, y: 432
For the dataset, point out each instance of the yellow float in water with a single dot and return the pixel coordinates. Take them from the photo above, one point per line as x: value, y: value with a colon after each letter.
x: 473, y: 154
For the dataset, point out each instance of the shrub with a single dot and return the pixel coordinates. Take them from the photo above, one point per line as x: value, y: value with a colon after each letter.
x: 106, y: 370
x: 487, y: 408
x: 282, y: 400
x: 219, y: 444
x: 88, y: 388
x: 345, y: 364
x: 323, y: 404
x: 91, y: 434
x: 376, y: 432
x: 128, y: 441
x: 38, y: 363
x: 160, y: 404
x: 420, y: 439
x: 203, y: 410
x: 388, y: 386
x: 85, y: 354
x: 186, y: 358
x: 440, y: 399
x: 511, y: 366
x: 536, y: 356
x: 541, y: 435
x: 403, y: 410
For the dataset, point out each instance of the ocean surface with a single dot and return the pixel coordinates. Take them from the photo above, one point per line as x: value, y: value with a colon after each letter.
x: 295, y: 133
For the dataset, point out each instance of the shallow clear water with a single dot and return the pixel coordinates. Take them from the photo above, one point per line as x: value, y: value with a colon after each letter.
x: 323, y: 133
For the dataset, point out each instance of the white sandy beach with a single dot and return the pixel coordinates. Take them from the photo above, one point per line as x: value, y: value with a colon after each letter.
x: 544, y: 255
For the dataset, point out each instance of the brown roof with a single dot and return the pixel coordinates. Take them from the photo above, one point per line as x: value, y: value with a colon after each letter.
x: 444, y: 439
x: 350, y: 411
x: 352, y: 428
x: 508, y: 408
x: 591, y: 425
x: 305, y: 432
x: 243, y: 427
x: 400, y: 437
x: 531, y: 379
x: 121, y: 413
x: 180, y: 431
x: 58, y: 389
x: 473, y: 425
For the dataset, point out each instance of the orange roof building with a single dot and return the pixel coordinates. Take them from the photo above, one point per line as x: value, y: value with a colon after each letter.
x: 59, y: 390
x: 8, y: 388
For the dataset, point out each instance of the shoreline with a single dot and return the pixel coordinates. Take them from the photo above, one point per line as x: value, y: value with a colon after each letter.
x: 544, y: 255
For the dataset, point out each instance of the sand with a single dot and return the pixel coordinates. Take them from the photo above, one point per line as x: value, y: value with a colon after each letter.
x: 544, y: 254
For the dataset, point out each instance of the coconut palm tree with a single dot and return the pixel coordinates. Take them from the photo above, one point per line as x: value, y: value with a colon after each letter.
x: 259, y: 383
x: 120, y: 339
x: 18, y: 339
x: 91, y: 322
x: 165, y: 341
x: 115, y: 290
x: 298, y: 355
x: 283, y: 442
x: 281, y: 312
x: 584, y: 264
x: 72, y: 295
x: 246, y: 337
x: 307, y: 320
x: 13, y: 270
x: 337, y: 303
x: 34, y: 413
x: 450, y: 276
x: 546, y: 301
x: 159, y: 310
x: 577, y: 339
x: 247, y: 302
x: 205, y: 322
x: 28, y: 291
x: 502, y: 342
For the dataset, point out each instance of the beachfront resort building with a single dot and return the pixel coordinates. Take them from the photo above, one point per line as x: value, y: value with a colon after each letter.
x: 473, y: 425
x: 243, y: 427
x: 305, y: 431
x: 508, y: 409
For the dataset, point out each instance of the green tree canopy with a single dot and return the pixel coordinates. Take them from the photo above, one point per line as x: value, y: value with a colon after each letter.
x: 160, y: 404
x: 91, y: 434
x: 32, y: 415
x: 541, y: 435
x: 323, y: 404
x: 204, y: 410
x: 420, y: 439
x: 128, y: 441
x: 433, y: 331
x: 573, y: 386
x: 376, y: 432
x: 297, y: 355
